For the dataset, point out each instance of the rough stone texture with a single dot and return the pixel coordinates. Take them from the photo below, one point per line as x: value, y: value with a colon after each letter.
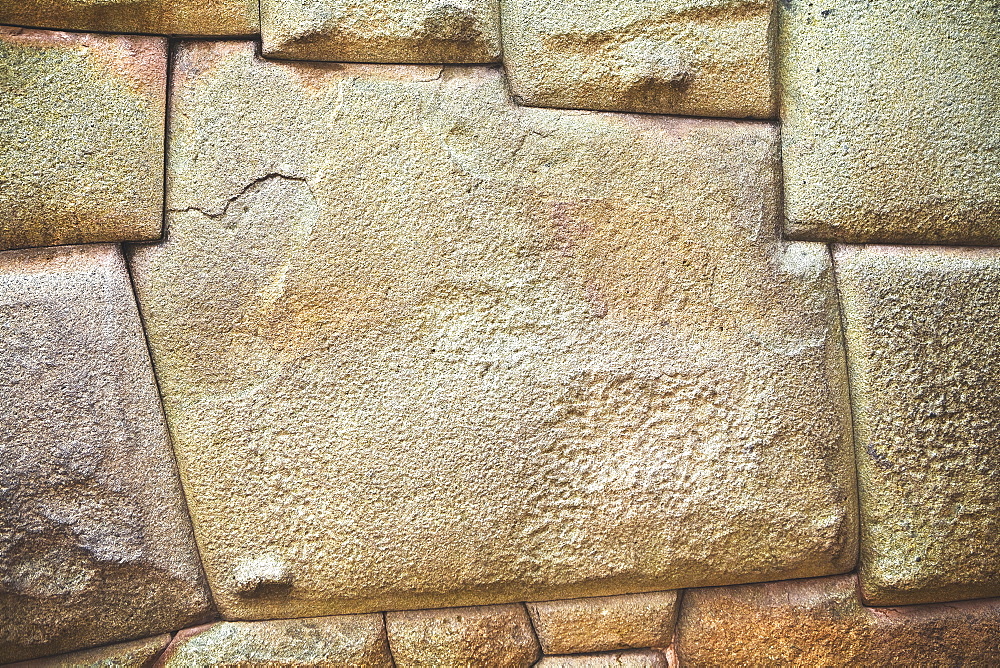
x: 821, y: 622
x: 643, y: 658
x: 160, y: 17
x: 495, y: 636
x: 391, y: 31
x: 420, y: 347
x: 694, y: 57
x: 605, y: 623
x: 320, y: 642
x: 136, y: 654
x: 923, y: 335
x: 891, y: 120
x: 81, y: 118
x: 95, y: 543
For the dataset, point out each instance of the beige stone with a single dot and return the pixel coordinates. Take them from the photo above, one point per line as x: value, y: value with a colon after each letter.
x: 891, y: 117
x: 390, y: 31
x: 160, y: 17
x: 135, y: 654
x: 81, y: 118
x: 692, y: 57
x: 320, y: 642
x: 96, y: 543
x: 601, y: 624
x: 494, y: 636
x: 420, y: 347
x: 821, y: 622
x: 923, y: 335
x: 642, y: 658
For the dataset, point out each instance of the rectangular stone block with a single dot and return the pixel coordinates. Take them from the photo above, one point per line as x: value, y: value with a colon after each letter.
x: 640, y: 658
x: 95, y: 541
x: 891, y: 121
x: 703, y: 58
x: 135, y: 654
x: 343, y: 640
x: 601, y: 624
x: 821, y: 622
x: 420, y: 347
x: 390, y: 31
x: 492, y: 636
x: 82, y: 120
x: 923, y: 336
x: 158, y: 17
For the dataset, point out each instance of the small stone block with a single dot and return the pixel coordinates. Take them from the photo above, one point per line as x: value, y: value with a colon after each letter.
x: 82, y: 121
x: 136, y: 654
x: 923, y: 340
x: 493, y: 636
x: 642, y: 658
x: 605, y: 623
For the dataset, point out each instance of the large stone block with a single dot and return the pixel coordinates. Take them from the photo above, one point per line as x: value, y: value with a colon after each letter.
x: 159, y: 17
x: 923, y: 335
x: 391, y: 31
x: 891, y: 117
x: 95, y: 542
x: 701, y: 58
x: 82, y: 121
x: 346, y: 640
x: 491, y: 636
x: 821, y: 622
x: 605, y: 623
x: 135, y: 654
x: 420, y: 347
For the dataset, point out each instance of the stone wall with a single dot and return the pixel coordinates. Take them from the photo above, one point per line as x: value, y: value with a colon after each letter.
x: 466, y: 333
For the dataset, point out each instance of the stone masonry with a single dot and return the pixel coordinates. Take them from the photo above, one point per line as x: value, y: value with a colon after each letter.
x: 479, y: 333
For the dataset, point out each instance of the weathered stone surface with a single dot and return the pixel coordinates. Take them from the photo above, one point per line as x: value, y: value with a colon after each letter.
x: 694, y: 57
x: 322, y: 642
x: 81, y: 118
x: 391, y: 31
x: 574, y: 626
x: 420, y: 347
x: 160, y: 17
x: 821, y: 622
x: 493, y: 636
x: 923, y: 335
x: 95, y: 543
x: 891, y: 117
x: 136, y: 654
x: 642, y: 658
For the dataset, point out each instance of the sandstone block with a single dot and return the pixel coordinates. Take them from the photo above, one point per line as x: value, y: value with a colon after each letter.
x: 391, y: 31
x: 821, y: 622
x: 97, y: 545
x: 891, y: 117
x: 923, y: 335
x: 420, y: 347
x: 321, y: 642
x: 136, y: 654
x: 496, y: 636
x: 642, y: 658
x: 702, y: 58
x: 159, y: 17
x: 82, y: 120
x: 574, y: 626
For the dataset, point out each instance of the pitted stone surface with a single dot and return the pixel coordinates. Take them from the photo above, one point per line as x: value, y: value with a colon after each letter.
x: 319, y: 642
x: 923, y: 335
x: 136, y: 654
x: 605, y: 623
x: 95, y: 543
x: 692, y: 57
x: 493, y: 636
x: 891, y: 117
x: 821, y: 622
x: 82, y: 123
x: 639, y: 658
x: 390, y: 31
x: 420, y: 347
x: 159, y: 17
